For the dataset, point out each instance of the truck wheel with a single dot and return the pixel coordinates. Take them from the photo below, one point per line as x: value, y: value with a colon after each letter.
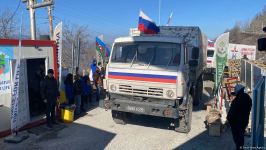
x: 183, y: 124
x: 197, y: 96
x: 119, y: 117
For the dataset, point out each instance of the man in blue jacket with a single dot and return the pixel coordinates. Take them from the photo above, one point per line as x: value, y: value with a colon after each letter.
x: 86, y: 94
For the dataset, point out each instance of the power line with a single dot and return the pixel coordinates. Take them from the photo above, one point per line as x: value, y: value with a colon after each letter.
x: 15, y: 11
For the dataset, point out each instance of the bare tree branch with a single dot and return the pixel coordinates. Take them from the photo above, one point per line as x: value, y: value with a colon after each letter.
x: 8, y: 25
x: 70, y: 35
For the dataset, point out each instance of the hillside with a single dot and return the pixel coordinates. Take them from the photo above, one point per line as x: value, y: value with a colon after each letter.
x: 249, y: 31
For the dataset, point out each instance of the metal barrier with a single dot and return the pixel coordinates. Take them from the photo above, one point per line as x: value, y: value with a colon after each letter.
x: 253, y: 76
x: 257, y: 127
x: 249, y: 74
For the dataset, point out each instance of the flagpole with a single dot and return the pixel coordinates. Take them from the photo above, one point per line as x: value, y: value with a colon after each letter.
x: 14, y: 122
x: 19, y: 55
x: 169, y: 19
x: 159, y: 12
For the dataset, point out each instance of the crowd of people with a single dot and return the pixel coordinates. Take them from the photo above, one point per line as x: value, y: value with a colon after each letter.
x: 79, y: 90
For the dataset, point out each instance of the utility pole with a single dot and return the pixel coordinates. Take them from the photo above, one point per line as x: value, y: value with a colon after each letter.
x: 32, y: 5
x: 78, y: 55
x: 32, y: 20
x: 50, y: 16
x: 73, y: 57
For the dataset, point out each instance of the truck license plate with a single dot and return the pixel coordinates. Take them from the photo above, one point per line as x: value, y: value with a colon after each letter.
x: 136, y: 109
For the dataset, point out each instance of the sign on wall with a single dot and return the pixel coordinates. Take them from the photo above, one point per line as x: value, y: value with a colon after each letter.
x: 237, y: 51
x: 6, y: 53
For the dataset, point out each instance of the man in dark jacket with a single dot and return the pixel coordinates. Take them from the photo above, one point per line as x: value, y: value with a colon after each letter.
x: 98, y: 83
x: 78, y: 89
x: 50, y: 93
x: 238, y: 115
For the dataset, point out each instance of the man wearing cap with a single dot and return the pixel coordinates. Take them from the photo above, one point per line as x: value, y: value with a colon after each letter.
x: 238, y: 115
x: 50, y: 93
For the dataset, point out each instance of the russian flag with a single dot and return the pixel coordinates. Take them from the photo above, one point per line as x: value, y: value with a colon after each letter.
x: 146, y: 25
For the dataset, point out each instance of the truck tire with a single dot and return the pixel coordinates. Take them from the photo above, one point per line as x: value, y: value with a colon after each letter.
x: 119, y: 117
x: 183, y: 125
x: 197, y: 96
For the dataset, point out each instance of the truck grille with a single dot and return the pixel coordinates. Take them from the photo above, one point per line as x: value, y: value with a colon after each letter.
x: 157, y: 92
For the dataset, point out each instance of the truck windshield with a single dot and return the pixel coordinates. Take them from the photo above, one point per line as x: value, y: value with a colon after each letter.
x: 147, y: 53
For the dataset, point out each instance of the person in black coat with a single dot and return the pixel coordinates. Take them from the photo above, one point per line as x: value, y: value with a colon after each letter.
x: 238, y: 115
x: 78, y: 89
x: 50, y: 93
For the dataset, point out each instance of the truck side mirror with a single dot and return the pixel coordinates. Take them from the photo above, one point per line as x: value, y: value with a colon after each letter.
x: 195, y: 53
x: 264, y: 29
x: 193, y: 63
x: 262, y: 44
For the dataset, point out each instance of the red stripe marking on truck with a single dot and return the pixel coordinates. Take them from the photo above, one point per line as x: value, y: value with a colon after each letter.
x: 142, y: 79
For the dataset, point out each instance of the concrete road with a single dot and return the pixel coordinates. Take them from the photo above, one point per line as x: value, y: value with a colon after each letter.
x: 96, y: 130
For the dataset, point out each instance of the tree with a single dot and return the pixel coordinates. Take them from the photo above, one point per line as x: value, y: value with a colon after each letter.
x: 71, y: 33
x: 8, y: 25
x: 235, y: 33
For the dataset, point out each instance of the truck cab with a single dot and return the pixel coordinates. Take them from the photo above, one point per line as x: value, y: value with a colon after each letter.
x: 153, y: 75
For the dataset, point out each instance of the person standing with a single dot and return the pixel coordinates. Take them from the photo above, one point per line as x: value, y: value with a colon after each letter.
x: 78, y: 89
x: 238, y: 115
x: 93, y: 69
x: 69, y: 88
x: 86, y: 94
x: 98, y: 83
x: 50, y: 94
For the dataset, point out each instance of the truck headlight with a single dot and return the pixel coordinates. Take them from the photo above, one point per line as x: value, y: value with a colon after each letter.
x: 170, y: 93
x: 113, y: 87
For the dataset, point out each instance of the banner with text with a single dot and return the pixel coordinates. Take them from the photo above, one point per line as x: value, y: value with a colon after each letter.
x: 15, y: 94
x: 58, y: 38
x: 221, y: 46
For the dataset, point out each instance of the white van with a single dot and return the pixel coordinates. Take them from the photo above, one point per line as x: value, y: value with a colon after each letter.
x: 210, y: 64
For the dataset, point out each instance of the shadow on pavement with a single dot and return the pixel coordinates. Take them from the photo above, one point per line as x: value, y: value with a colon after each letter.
x: 205, y: 142
x: 90, y: 106
x: 72, y: 136
x: 78, y: 136
x: 150, y: 121
x: 205, y: 98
